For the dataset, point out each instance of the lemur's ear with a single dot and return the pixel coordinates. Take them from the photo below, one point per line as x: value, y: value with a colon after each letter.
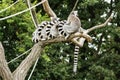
x: 76, y: 13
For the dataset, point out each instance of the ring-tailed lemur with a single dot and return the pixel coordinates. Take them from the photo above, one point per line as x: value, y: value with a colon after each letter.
x: 72, y: 25
x: 54, y: 28
x: 75, y: 26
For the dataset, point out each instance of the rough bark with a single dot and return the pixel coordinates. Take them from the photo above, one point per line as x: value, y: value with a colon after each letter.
x: 21, y: 71
x: 48, y: 9
x: 5, y: 72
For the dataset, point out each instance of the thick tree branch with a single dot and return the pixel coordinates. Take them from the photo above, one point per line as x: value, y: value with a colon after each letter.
x: 48, y: 9
x: 21, y: 71
x: 5, y: 72
x: 62, y: 39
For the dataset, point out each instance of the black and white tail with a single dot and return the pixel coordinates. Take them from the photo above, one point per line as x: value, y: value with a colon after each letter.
x: 51, y: 30
x: 61, y: 30
x: 76, y: 52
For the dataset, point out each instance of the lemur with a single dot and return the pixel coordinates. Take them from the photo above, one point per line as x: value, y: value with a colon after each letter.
x: 72, y: 25
x: 52, y: 29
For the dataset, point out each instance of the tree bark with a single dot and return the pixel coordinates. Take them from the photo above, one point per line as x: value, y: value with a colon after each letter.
x: 21, y: 71
x: 48, y: 9
x: 5, y: 72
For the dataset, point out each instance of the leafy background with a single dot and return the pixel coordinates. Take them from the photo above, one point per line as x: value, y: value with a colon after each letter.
x: 99, y: 60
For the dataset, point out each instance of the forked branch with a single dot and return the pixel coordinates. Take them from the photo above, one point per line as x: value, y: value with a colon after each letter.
x: 22, y: 70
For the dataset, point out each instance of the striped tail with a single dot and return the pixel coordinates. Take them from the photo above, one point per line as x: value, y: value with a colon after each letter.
x: 48, y: 31
x: 76, y: 52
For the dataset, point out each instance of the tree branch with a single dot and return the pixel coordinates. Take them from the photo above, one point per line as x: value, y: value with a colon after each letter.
x: 33, y: 13
x: 101, y: 25
x: 82, y: 40
x: 62, y: 38
x: 48, y: 9
x: 84, y: 35
x: 5, y: 72
x: 21, y: 71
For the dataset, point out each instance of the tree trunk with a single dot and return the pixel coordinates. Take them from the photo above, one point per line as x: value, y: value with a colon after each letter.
x: 5, y: 72
x: 21, y: 72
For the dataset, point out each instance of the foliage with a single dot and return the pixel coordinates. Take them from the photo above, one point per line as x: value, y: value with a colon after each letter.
x: 98, y: 60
